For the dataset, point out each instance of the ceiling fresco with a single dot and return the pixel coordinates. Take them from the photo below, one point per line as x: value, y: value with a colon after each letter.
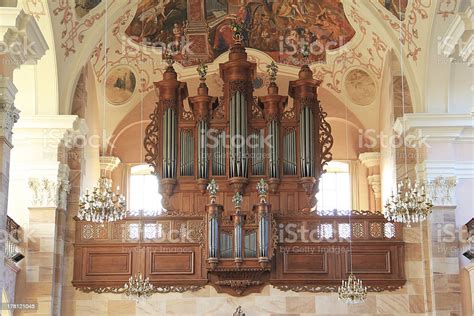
x: 201, y: 30
x: 84, y: 6
x: 397, y: 7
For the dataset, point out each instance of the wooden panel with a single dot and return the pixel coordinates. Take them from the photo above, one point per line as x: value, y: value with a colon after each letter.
x: 171, y: 263
x: 109, y: 263
x: 370, y: 262
x: 114, y: 263
x: 305, y: 263
x: 174, y: 262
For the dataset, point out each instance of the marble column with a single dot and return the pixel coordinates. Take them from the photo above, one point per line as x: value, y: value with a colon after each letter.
x: 444, y: 143
x: 45, y: 142
x: 371, y: 160
x: 21, y: 42
x: 8, y: 116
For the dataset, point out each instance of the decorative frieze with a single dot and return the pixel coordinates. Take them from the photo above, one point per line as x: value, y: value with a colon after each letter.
x: 49, y: 193
x: 442, y: 190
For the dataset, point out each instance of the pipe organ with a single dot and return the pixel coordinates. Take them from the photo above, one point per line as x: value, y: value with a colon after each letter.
x: 239, y: 177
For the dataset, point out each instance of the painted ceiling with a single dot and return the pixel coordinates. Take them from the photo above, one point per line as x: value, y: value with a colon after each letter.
x: 352, y: 71
x: 284, y: 29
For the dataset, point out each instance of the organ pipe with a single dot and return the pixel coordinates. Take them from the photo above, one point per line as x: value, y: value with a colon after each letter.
x: 203, y: 128
x: 238, y: 136
x: 237, y: 200
x: 238, y: 75
x: 307, y: 142
x: 263, y: 215
x: 202, y: 106
x: 273, y: 105
x: 214, y: 212
x: 289, y: 152
x: 315, y: 140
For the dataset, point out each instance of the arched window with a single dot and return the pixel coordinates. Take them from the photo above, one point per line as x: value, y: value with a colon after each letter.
x: 335, y: 191
x: 144, y: 198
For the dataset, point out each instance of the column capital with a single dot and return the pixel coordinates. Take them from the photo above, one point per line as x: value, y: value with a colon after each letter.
x: 370, y: 159
x: 50, y: 191
x: 440, y: 178
x: 376, y: 184
x: 9, y: 115
x: 7, y: 90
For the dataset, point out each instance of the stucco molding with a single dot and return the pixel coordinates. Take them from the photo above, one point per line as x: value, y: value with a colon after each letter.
x: 431, y: 169
x: 437, y: 127
x: 22, y: 34
x: 109, y: 163
x: 370, y: 159
x: 458, y: 40
x: 53, y: 129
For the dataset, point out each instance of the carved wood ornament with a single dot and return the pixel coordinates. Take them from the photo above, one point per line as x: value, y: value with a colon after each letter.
x: 243, y: 238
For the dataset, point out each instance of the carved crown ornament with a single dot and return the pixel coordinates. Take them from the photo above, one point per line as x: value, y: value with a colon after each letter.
x: 239, y: 192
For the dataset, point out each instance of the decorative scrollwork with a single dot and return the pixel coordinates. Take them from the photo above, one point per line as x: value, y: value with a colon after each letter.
x: 219, y: 111
x: 311, y: 288
x: 288, y: 115
x: 239, y: 286
x: 152, y: 138
x: 196, y: 232
x: 326, y: 140
x: 101, y: 290
x: 307, y: 102
x: 315, y: 288
x: 274, y: 239
x: 178, y: 212
x: 166, y: 104
x: 303, y: 213
x: 187, y: 115
x: 160, y: 289
x: 243, y: 86
x: 255, y: 110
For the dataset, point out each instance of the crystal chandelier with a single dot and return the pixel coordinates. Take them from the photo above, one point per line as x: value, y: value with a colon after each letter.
x: 138, y: 287
x: 102, y: 205
x: 352, y: 291
x: 411, y: 204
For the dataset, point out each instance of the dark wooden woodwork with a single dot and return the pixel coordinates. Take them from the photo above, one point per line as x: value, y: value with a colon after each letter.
x: 172, y: 249
x: 315, y: 260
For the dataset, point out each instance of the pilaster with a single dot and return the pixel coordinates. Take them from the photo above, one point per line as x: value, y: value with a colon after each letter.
x: 445, y: 140
x: 371, y: 160
x: 45, y: 142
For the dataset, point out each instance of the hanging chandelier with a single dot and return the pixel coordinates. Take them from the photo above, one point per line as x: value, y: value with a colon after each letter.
x: 138, y: 287
x: 409, y: 205
x: 352, y: 291
x: 102, y: 205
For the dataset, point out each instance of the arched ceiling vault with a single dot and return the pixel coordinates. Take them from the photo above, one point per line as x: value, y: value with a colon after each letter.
x: 80, y: 41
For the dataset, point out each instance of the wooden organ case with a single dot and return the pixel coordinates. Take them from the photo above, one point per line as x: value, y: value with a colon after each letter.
x: 235, y: 238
